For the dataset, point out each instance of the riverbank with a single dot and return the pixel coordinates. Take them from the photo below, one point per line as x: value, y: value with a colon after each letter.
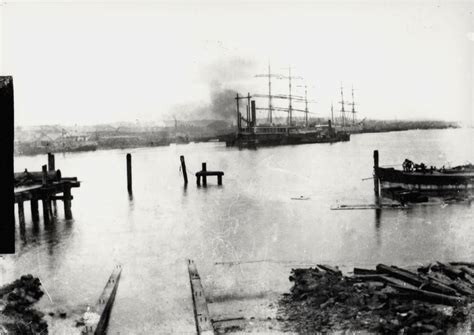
x: 144, y: 139
x: 17, y: 314
x: 383, y: 300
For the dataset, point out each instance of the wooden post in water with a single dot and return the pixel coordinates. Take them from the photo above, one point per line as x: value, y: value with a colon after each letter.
x: 51, y: 167
x: 34, y: 210
x: 204, y: 177
x: 129, y: 173
x: 21, y: 214
x: 67, y: 201
x: 183, y: 168
x: 376, y: 178
x: 45, y: 199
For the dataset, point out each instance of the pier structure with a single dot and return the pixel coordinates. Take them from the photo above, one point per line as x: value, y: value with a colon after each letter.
x: 204, y: 174
x: 46, y: 186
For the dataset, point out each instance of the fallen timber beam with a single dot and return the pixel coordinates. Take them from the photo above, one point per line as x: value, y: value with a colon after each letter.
x: 96, y: 320
x: 422, y: 295
x: 330, y: 269
x: 469, y: 264
x: 201, y: 312
x: 426, y: 282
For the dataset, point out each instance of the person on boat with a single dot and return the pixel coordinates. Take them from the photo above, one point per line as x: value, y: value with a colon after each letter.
x: 407, y: 165
x: 423, y: 168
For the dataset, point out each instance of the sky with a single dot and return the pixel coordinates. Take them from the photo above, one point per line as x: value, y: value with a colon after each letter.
x: 95, y: 62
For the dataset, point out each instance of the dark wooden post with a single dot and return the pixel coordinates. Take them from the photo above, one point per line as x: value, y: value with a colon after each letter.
x: 46, y: 208
x: 45, y: 175
x: 34, y: 210
x: 51, y: 163
x: 129, y: 173
x: 52, y: 167
x: 67, y: 201
x: 219, y: 179
x: 376, y: 178
x: 204, y: 177
x: 21, y: 214
x: 183, y: 168
x: 45, y: 198
x: 7, y: 227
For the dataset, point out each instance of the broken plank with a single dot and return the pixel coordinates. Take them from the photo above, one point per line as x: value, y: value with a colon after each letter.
x: 96, y: 320
x: 435, y: 298
x: 201, y: 312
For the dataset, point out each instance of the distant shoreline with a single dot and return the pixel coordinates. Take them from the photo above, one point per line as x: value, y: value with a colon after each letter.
x: 385, y: 128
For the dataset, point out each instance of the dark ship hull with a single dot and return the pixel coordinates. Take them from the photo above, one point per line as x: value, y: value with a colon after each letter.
x: 438, y: 181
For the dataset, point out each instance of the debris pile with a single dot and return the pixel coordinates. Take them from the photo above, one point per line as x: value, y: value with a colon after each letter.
x: 387, y: 299
x: 16, y: 301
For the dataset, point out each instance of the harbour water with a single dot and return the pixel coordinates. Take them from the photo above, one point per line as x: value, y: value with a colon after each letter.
x: 245, y: 235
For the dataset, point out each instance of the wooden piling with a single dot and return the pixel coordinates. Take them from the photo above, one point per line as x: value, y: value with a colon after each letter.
x: 67, y: 201
x: 129, y: 173
x: 45, y: 174
x: 51, y: 168
x: 376, y: 179
x: 21, y: 214
x: 201, y: 312
x: 183, y: 169
x: 204, y: 177
x: 46, y: 209
x: 51, y: 163
x: 34, y: 210
x: 96, y: 320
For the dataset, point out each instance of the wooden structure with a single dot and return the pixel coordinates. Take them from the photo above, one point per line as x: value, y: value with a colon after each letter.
x: 129, y: 173
x: 201, y: 312
x: 7, y: 228
x: 96, y: 321
x: 43, y: 186
x: 183, y: 169
x: 204, y: 174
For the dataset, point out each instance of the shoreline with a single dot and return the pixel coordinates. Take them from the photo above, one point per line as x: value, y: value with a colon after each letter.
x: 220, y: 139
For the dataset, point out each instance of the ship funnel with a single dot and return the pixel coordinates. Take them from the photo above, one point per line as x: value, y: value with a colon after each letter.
x: 254, y: 114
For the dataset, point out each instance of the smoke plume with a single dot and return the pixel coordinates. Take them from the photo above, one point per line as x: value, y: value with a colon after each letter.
x: 224, y: 78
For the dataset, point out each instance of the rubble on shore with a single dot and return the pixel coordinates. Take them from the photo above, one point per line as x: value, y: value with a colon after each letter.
x: 17, y: 316
x: 388, y: 299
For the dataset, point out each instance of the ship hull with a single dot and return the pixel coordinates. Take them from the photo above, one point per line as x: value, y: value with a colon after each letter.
x: 264, y: 140
x: 435, y: 181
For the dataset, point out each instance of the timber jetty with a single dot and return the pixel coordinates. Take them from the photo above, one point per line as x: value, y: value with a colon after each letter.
x: 47, y: 186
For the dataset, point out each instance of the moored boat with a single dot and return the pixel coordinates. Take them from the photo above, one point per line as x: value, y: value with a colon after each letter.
x: 427, y: 179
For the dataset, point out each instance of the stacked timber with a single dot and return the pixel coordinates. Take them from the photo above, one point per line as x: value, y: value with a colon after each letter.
x: 387, y: 299
x: 17, y: 313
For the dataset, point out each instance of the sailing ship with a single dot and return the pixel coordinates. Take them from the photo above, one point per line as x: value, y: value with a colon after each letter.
x: 252, y: 134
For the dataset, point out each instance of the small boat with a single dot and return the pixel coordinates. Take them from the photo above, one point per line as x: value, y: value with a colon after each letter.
x: 420, y: 177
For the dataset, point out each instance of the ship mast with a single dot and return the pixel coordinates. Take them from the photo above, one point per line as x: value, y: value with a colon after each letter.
x: 332, y: 114
x: 306, y: 104
x: 353, y: 107
x: 343, y: 112
x: 269, y: 95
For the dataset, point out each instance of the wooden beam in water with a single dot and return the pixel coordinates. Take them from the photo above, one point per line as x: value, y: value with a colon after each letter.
x: 67, y: 201
x: 97, y: 319
x: 183, y: 169
x: 201, y: 312
x: 34, y: 210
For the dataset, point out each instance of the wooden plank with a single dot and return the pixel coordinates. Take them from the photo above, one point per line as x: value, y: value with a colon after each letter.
x: 209, y: 173
x: 97, y: 319
x: 435, y: 298
x: 201, y: 312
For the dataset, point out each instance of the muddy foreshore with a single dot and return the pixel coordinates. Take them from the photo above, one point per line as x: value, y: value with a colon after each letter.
x: 385, y: 300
